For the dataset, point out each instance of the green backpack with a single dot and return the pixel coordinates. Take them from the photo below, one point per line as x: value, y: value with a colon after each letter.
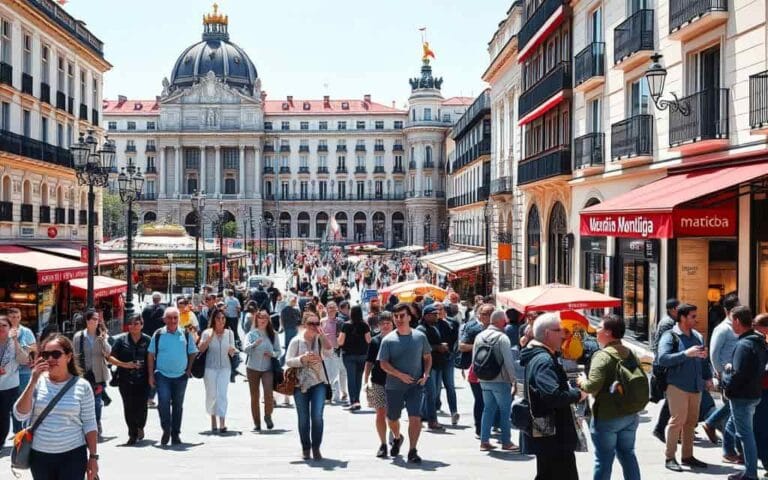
x: 635, y: 390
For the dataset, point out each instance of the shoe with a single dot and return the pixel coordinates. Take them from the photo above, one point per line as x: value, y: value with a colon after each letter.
x: 131, y: 441
x: 165, y: 439
x: 355, y: 407
x: 256, y: 428
x: 455, y: 419
x: 268, y: 421
x: 396, y: 444
x: 436, y: 427
x: 660, y: 435
x: 486, y: 446
x: 223, y: 430
x: 214, y: 430
x: 510, y: 448
x: 735, y: 459
x: 477, y: 436
x: 671, y: 464
x: 413, y: 457
x: 175, y: 440
x: 693, y: 462
x: 737, y: 476
x: 710, y: 432
x: 305, y: 454
x: 316, y: 454
x: 382, y: 453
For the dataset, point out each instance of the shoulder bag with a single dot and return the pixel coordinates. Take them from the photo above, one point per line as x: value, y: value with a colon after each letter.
x: 22, y: 441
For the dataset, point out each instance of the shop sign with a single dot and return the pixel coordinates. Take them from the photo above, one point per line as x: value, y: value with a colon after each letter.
x: 710, y: 222
x: 52, y: 232
x: 84, y: 255
x: 702, y: 222
x: 46, y: 278
x: 108, y: 292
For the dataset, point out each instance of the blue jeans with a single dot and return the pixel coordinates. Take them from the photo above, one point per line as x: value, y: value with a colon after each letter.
x: 760, y: 426
x: 615, y: 437
x: 447, y: 379
x: 719, y: 416
x: 497, y: 400
x: 355, y: 364
x: 97, y: 401
x: 428, y: 406
x: 24, y: 376
x: 289, y: 334
x: 170, y: 401
x: 309, y: 409
x: 743, y: 412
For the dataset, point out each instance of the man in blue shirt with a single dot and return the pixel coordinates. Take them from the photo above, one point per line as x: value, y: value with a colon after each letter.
x: 27, y: 340
x: 171, y: 352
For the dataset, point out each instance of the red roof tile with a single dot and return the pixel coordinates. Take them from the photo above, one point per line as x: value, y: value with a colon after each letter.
x: 334, y: 107
x: 458, y: 101
x: 131, y: 107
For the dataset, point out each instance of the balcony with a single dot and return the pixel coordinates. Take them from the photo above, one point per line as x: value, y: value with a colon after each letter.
x: 269, y: 170
x: 398, y: 169
x: 551, y: 163
x: 45, y: 214
x: 426, y: 193
x: 588, y: 156
x: 480, y: 149
x: 322, y: 148
x: 285, y: 169
x: 150, y: 148
x: 130, y: 149
x: 341, y: 170
x: 535, y: 22
x: 60, y: 216
x: 83, y: 112
x: 378, y: 169
x: 502, y: 186
x: 706, y: 128
x: 632, y: 140
x: 427, y: 165
x: 440, y: 194
x: 412, y: 165
x: 322, y: 170
x: 71, y: 216
x: 26, y: 83
x: 378, y: 148
x: 304, y: 170
x: 6, y: 211
x: 589, y: 67
x: 341, y: 148
x: 45, y: 93
x: 361, y: 170
x: 269, y: 148
x: 61, y: 101
x: 758, y: 103
x: 82, y: 216
x: 26, y: 212
x: 690, y: 18
x: 554, y: 81
x: 398, y: 147
x: 6, y: 74
x: 34, y: 149
x: 303, y: 148
x: 285, y: 148
x: 359, y: 148
x: 633, y: 40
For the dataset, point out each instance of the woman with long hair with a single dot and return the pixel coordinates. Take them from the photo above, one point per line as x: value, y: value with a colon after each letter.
x: 65, y: 443
x: 92, y: 350
x: 12, y: 354
x: 306, y: 352
x: 353, y: 340
x: 262, y: 344
x: 219, y: 342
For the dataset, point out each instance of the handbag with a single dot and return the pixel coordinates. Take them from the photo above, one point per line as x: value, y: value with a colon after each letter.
x: 22, y: 441
x: 290, y: 379
x: 198, y: 365
x: 235, y: 359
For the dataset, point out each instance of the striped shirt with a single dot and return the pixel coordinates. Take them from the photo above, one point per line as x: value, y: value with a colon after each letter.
x: 65, y: 426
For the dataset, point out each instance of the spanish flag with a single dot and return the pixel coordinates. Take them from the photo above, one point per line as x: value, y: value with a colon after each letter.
x: 427, y: 51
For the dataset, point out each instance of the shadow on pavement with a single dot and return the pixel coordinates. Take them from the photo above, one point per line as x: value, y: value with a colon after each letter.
x: 509, y: 456
x: 179, y: 448
x: 426, y: 465
x: 140, y: 444
x: 327, y: 464
x: 107, y: 439
x: 274, y: 431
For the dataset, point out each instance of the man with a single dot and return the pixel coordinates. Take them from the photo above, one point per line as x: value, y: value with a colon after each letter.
x: 171, y: 352
x: 722, y: 345
x: 232, y: 309
x: 376, y: 380
x: 331, y: 326
x: 497, y: 391
x: 666, y: 324
x: 206, y: 311
x: 449, y: 331
x: 428, y: 327
x: 152, y: 314
x: 344, y: 309
x: 405, y: 356
x: 683, y: 353
x: 466, y: 342
x: 26, y: 340
x: 742, y: 379
x: 554, y: 450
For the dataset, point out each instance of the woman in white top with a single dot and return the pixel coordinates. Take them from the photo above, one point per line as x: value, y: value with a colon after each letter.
x: 64, y: 445
x: 12, y: 354
x: 262, y: 344
x: 219, y: 342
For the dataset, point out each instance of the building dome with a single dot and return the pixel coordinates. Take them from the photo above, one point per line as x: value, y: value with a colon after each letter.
x: 217, y: 54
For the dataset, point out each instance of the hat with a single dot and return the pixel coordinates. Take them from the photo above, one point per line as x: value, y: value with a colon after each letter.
x: 429, y: 309
x: 429, y: 300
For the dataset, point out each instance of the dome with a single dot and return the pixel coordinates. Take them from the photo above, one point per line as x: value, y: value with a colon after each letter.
x: 217, y: 54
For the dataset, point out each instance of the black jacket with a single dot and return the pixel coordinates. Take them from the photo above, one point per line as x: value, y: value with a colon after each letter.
x: 744, y: 380
x: 439, y: 359
x: 551, y: 393
x: 153, y: 318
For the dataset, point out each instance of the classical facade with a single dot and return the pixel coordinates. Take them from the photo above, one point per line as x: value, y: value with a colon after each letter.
x: 377, y: 169
x: 51, y: 70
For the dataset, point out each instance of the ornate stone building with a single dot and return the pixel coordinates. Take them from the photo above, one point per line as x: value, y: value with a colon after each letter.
x: 377, y: 169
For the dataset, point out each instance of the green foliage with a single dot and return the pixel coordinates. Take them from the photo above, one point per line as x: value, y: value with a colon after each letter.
x: 230, y: 230
x: 114, y: 215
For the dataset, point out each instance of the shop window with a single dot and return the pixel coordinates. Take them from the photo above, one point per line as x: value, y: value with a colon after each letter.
x: 533, y: 234
x: 558, y: 249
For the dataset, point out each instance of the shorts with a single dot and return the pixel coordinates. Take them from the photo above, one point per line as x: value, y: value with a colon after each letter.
x: 410, y: 397
x: 376, y: 396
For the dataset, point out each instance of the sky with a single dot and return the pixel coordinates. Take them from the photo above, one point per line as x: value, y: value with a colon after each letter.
x: 304, y: 48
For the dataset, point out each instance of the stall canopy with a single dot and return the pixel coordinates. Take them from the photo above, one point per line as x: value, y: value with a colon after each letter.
x: 102, y: 286
x: 102, y: 258
x: 673, y: 206
x: 50, y: 268
x: 555, y: 297
x: 454, y: 261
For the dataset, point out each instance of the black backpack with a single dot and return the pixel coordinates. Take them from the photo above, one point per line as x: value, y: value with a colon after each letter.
x: 485, y: 364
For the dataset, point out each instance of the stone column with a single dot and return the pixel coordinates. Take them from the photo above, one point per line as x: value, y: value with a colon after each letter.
x: 241, y: 173
x: 177, y: 164
x: 258, y: 173
x: 217, y: 187
x: 162, y: 176
x: 201, y: 186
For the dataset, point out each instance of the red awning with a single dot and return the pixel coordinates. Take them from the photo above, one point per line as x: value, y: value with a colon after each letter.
x: 664, y: 209
x: 50, y: 268
x: 102, y: 286
x: 542, y: 34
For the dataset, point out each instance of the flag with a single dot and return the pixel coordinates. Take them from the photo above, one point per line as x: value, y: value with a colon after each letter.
x: 62, y: 2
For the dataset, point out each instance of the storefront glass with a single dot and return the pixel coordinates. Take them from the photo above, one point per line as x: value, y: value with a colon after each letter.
x: 533, y: 244
x: 638, y: 284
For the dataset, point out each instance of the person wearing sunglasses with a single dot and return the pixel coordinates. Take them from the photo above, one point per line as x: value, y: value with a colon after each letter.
x: 12, y: 355
x: 65, y: 443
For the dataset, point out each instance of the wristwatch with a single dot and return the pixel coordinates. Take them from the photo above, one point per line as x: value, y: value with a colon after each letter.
x: 94, y: 456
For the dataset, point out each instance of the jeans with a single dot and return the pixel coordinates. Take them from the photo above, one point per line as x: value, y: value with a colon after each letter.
x: 7, y: 397
x: 743, y: 412
x: 24, y: 375
x: 479, y: 406
x: 97, y: 400
x: 289, y: 333
x: 615, y: 437
x: 134, y: 406
x: 760, y: 426
x: 447, y: 378
x: 497, y: 398
x: 428, y: 408
x: 170, y: 401
x: 719, y: 416
x: 355, y: 364
x: 309, y: 410
x: 69, y: 465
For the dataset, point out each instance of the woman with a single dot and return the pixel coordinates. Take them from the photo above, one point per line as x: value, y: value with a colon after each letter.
x: 353, y: 340
x: 251, y: 312
x: 219, y: 342
x: 306, y: 352
x: 65, y: 443
x: 12, y: 354
x: 92, y: 350
x: 613, y: 428
x: 262, y: 344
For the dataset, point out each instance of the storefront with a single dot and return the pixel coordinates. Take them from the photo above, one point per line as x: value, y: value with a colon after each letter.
x: 637, y: 283
x: 108, y: 297
x: 463, y: 270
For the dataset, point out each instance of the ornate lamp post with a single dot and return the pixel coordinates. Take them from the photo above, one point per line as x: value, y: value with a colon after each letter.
x: 488, y: 214
x: 656, y: 75
x: 198, y: 205
x: 129, y: 187
x: 221, y: 247
x: 444, y: 233
x: 92, y: 166
x: 269, y: 222
x: 410, y: 230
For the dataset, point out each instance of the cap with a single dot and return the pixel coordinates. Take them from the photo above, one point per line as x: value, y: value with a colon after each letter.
x: 429, y: 309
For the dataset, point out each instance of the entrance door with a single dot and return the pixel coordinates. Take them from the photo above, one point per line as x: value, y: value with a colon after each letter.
x: 635, y: 297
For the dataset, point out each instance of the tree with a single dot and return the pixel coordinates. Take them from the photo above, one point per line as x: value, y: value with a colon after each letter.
x: 230, y: 230
x: 113, y: 216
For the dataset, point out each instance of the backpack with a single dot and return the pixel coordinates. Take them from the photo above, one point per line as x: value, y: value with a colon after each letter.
x: 659, y: 374
x: 485, y: 364
x: 632, y: 391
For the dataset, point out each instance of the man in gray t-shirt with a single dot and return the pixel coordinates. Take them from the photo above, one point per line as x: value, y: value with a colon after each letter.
x: 406, y: 356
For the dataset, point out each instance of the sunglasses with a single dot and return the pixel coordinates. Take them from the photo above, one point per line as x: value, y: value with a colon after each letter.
x: 55, y: 354
x: 400, y: 315
x: 313, y: 324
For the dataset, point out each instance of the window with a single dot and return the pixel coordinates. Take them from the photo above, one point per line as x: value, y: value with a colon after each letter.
x: 284, y: 161
x: 267, y: 125
x: 379, y: 125
x: 70, y: 80
x: 268, y: 161
x: 360, y: 190
x: 379, y: 160
x: 230, y: 186
x: 360, y: 161
x: 150, y: 144
x: 399, y: 162
x: 341, y: 125
x: 379, y: 142
x: 131, y: 125
x: 284, y: 190
x: 413, y: 183
x: 5, y: 116
x: 360, y: 144
x: 26, y: 124
x: 379, y: 188
x: 427, y: 114
x: 322, y: 161
x: 60, y: 135
x: 304, y: 161
x: 304, y: 143
x: 342, y: 162
x: 5, y: 41
x: 27, y: 55
x: 533, y: 233
x: 111, y: 125
x: 130, y: 144
x: 45, y: 72
x: 149, y: 187
x: 285, y: 125
x: 150, y: 163
x: 322, y: 189
x: 284, y: 143
x: 638, y: 101
x: 593, y: 115
x: 704, y: 75
x: 151, y: 126
x: 398, y: 125
x: 322, y: 143
x: 596, y: 25
x: 61, y: 75
x: 304, y: 125
x: 304, y: 189
x: 82, y: 86
x: 44, y: 130
x: 360, y: 125
x: 413, y: 115
x: 323, y: 125
x: 342, y: 189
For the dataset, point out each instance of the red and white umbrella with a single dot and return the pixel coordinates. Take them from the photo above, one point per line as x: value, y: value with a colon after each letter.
x: 555, y: 297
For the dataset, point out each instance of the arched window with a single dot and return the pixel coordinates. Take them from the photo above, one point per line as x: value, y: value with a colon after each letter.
x: 150, y: 217
x: 341, y: 220
x: 559, y: 259
x: 533, y: 235
x: 360, y: 227
x: 378, y: 226
x: 303, y: 220
x: 285, y: 225
x: 321, y: 223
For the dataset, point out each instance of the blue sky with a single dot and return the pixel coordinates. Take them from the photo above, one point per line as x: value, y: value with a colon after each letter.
x: 304, y: 48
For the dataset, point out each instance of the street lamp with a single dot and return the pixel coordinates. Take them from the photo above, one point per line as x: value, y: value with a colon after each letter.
x: 198, y: 205
x: 656, y: 75
x: 129, y: 186
x: 444, y: 233
x: 221, y: 247
x: 92, y: 166
x: 170, y: 278
x: 269, y: 222
x: 488, y: 214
